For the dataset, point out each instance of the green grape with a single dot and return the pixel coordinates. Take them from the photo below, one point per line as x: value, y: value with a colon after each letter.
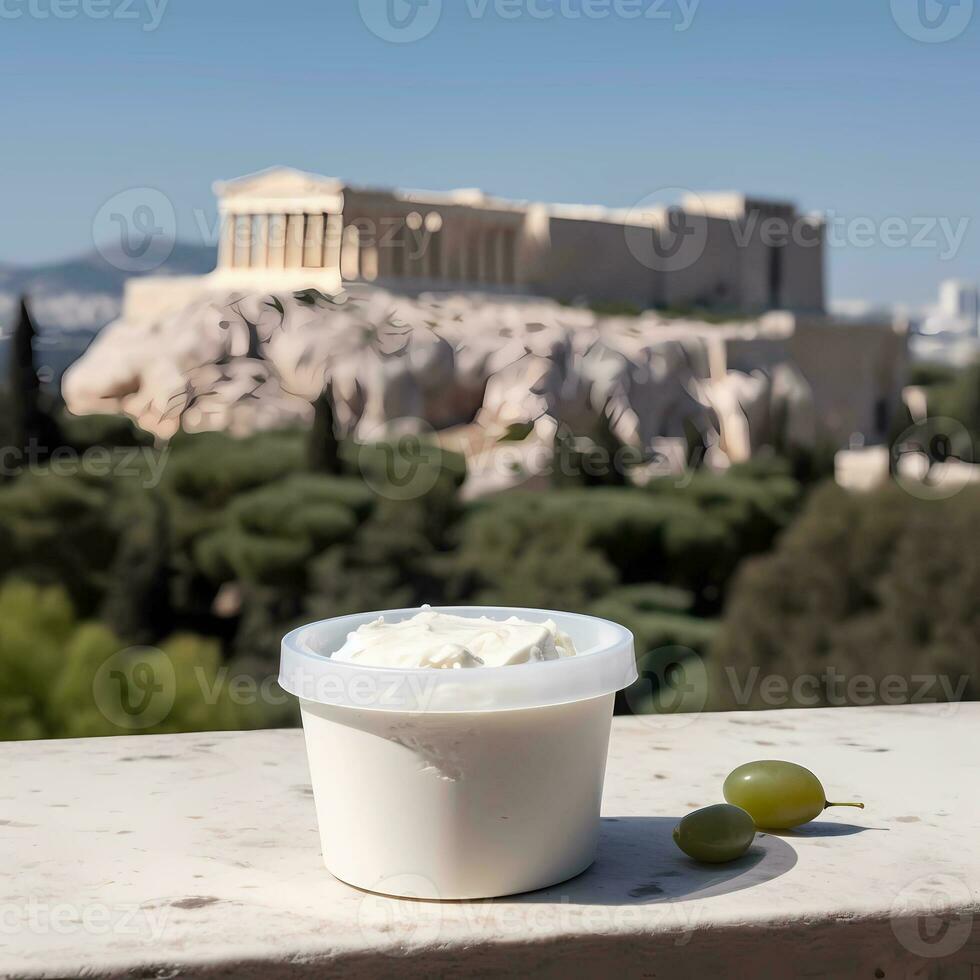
x: 779, y: 795
x: 715, y: 834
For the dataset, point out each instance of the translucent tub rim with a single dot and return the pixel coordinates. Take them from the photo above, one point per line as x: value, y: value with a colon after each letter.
x: 605, y: 663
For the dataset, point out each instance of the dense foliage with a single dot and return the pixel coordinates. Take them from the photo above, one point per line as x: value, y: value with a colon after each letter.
x: 189, y: 561
x: 952, y: 394
x: 866, y: 599
x: 60, y: 676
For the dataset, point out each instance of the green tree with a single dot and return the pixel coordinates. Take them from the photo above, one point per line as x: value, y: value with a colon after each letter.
x: 205, y: 473
x: 639, y: 535
x: 36, y: 624
x: 875, y: 586
x: 137, y: 604
x: 658, y: 616
x: 959, y: 399
x: 84, y: 432
x: 59, y: 529
x: 60, y: 677
x: 269, y: 534
x: 391, y: 562
x: 507, y: 556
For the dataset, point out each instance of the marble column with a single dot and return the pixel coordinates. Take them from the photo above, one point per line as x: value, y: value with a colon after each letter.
x: 333, y: 231
x: 455, y: 250
x: 415, y: 245
x: 509, y: 255
x: 480, y: 237
x: 393, y: 243
x: 277, y: 241
x: 433, y: 255
x: 226, y: 245
x: 260, y: 250
x: 313, y: 246
x: 350, y: 259
x: 243, y: 241
x: 295, y: 224
x: 471, y: 253
x: 500, y: 259
x: 383, y: 240
x: 490, y: 255
x: 441, y: 266
x: 369, y: 258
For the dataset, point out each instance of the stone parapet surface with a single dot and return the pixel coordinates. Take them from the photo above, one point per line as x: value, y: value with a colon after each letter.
x: 198, y: 855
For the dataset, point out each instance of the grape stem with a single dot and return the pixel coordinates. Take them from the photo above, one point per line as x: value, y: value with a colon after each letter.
x: 860, y: 806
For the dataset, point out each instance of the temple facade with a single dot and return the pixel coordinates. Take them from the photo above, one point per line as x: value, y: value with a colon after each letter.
x: 286, y: 229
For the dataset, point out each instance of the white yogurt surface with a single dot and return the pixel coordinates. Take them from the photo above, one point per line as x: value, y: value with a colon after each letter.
x: 434, y: 639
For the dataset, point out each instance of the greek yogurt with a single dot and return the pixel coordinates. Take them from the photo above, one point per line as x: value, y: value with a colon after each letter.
x: 443, y: 641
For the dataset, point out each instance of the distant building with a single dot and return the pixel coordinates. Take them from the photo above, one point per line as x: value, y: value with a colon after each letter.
x: 949, y: 332
x: 958, y: 299
x: 284, y: 229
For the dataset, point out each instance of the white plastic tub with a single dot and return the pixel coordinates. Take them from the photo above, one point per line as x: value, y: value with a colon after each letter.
x: 453, y: 784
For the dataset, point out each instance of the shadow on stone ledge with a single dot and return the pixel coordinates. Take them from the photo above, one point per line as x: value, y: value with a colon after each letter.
x: 825, y: 828
x: 639, y: 864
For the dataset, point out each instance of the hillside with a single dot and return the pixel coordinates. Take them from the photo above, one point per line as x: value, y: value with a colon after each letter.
x: 72, y: 300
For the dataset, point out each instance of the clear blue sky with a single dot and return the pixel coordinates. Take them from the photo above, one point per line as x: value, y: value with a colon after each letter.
x: 828, y: 103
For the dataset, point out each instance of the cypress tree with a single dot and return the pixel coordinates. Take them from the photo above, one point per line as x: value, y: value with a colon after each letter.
x: 33, y: 429
x: 25, y: 386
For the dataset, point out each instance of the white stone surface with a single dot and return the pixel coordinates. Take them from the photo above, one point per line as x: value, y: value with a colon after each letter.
x: 198, y: 855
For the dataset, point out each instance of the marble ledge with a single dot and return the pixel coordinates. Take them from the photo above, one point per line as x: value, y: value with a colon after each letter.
x: 197, y: 855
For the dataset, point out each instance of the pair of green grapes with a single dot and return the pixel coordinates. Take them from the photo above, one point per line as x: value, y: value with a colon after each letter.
x: 769, y: 795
